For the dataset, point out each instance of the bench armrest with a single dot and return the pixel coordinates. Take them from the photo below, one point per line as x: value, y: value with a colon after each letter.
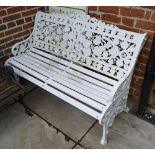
x: 22, y: 46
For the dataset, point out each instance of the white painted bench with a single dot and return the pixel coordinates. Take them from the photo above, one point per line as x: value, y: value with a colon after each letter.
x: 83, y: 61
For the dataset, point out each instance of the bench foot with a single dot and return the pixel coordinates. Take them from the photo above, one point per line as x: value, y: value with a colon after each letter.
x: 103, y: 141
x: 104, y: 136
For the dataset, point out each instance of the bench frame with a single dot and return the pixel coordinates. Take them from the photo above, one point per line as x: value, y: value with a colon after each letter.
x: 120, y: 91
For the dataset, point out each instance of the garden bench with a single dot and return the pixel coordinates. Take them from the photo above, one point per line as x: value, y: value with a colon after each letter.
x: 83, y: 61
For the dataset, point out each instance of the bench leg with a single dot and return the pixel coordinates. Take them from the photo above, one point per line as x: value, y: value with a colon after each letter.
x: 104, y: 136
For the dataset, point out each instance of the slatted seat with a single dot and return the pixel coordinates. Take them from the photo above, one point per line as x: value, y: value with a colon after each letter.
x: 83, y: 61
x: 66, y: 78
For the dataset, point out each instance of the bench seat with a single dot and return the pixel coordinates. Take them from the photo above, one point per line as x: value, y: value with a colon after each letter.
x: 74, y: 83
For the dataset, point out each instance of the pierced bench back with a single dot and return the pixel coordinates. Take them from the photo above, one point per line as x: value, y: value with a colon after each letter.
x: 88, y: 42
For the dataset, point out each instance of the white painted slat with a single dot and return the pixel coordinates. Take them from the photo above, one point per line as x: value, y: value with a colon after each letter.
x: 53, y: 66
x: 70, y: 77
x: 110, y: 74
x: 72, y: 93
x: 77, y: 86
x: 65, y: 81
x: 28, y: 70
x: 100, y: 96
x: 64, y: 97
x: 76, y: 67
x: 105, y: 90
x: 78, y: 96
x: 71, y: 71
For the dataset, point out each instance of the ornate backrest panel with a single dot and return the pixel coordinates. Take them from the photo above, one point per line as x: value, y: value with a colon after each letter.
x: 88, y: 42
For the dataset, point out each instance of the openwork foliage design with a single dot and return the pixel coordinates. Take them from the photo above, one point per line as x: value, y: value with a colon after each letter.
x: 23, y: 46
x: 92, y: 44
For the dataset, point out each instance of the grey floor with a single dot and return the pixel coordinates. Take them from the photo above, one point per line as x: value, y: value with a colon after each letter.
x: 51, y: 123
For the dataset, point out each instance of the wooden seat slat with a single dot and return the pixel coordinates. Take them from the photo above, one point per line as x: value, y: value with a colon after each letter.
x: 56, y: 92
x: 77, y: 86
x: 76, y: 67
x: 67, y: 77
x: 45, y: 77
x: 58, y: 67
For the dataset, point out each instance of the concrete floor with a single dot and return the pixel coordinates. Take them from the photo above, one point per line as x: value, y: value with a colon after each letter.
x: 56, y: 124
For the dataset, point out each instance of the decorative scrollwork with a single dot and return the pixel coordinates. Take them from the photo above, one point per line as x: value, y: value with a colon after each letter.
x: 22, y: 46
x: 119, y: 104
x: 89, y: 42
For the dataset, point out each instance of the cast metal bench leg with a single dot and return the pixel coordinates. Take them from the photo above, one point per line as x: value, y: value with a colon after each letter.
x: 104, y: 136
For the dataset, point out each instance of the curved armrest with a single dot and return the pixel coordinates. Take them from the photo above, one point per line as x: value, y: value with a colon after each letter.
x: 22, y: 46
